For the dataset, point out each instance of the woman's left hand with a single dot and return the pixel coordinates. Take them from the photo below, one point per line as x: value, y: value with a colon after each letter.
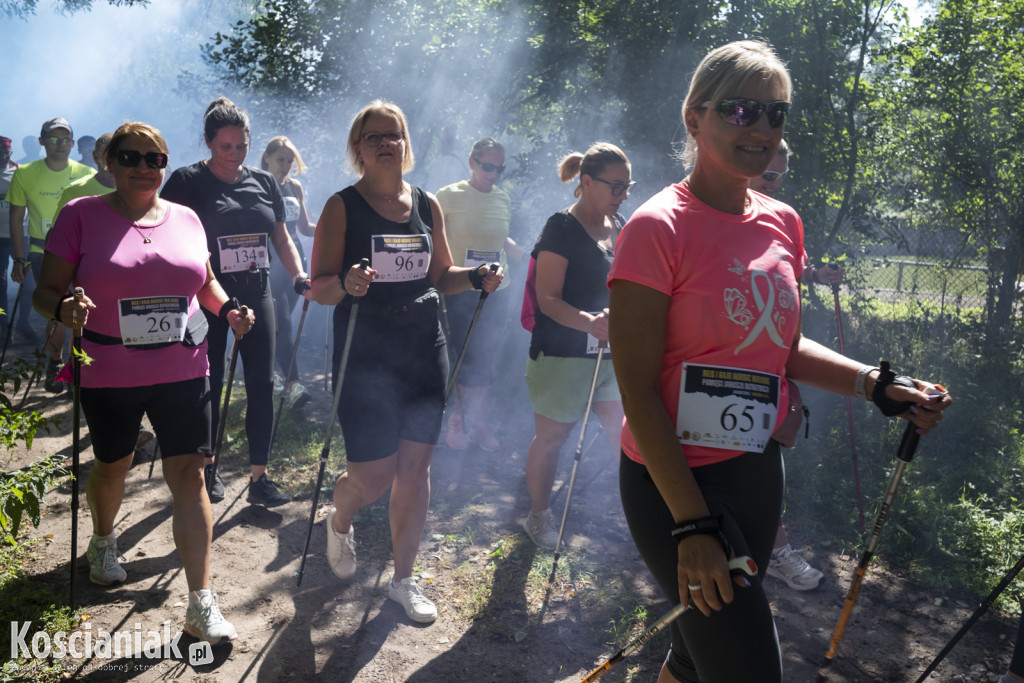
x: 302, y: 286
x: 492, y: 279
x: 241, y: 323
x: 930, y: 400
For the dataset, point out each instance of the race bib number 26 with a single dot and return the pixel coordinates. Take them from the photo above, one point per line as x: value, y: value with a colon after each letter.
x: 730, y: 408
x: 152, y: 319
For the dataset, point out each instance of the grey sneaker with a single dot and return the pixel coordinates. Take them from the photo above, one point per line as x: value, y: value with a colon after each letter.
x: 410, y: 596
x: 104, y: 568
x: 789, y: 565
x: 296, y: 396
x: 341, y: 549
x: 541, y: 529
x: 204, y: 621
x: 264, y: 492
x: 217, y: 490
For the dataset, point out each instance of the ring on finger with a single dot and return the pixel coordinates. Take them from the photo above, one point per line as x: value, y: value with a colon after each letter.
x: 694, y: 587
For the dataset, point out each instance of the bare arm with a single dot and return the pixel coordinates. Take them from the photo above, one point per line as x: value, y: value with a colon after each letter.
x: 637, y: 328
x: 303, y: 224
x: 17, y: 224
x: 212, y: 297
x: 551, y: 269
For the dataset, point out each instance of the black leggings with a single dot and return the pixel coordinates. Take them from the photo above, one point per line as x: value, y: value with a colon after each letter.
x: 256, y: 351
x: 739, y: 643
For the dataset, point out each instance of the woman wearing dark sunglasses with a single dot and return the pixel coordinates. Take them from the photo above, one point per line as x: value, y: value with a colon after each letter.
x: 705, y: 327
x: 243, y: 212
x: 392, y: 393
x: 477, y: 214
x: 143, y: 264
x: 573, y: 254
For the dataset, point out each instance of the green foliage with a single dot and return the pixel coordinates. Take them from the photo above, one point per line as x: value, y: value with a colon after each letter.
x: 22, y: 492
x: 22, y: 9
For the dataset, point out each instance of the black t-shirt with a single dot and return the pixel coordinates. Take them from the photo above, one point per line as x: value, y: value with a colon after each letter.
x: 585, y: 284
x: 251, y: 206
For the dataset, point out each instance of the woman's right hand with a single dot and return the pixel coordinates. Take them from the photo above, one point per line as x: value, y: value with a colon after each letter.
x: 702, y: 562
x: 599, y: 327
x: 357, y: 280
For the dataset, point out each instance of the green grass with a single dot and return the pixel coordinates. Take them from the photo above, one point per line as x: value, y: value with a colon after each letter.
x: 920, y: 279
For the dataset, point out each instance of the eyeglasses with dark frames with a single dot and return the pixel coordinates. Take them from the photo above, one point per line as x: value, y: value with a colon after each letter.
x: 742, y: 111
x: 130, y: 158
x: 374, y: 139
x: 618, y: 189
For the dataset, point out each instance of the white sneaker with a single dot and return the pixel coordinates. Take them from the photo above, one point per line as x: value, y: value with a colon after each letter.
x: 411, y: 597
x: 541, y: 529
x: 789, y: 565
x: 104, y: 568
x: 204, y: 621
x: 297, y: 396
x: 341, y: 549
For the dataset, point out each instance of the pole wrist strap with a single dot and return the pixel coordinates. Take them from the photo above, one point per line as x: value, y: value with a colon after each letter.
x: 888, y: 406
x: 711, y: 526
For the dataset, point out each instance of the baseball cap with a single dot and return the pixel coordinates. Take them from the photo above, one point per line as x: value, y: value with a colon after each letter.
x: 55, y: 123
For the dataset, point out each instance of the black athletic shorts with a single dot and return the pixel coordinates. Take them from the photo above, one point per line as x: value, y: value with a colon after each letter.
x: 179, y: 411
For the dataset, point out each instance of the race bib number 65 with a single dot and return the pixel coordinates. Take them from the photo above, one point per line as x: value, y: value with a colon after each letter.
x: 730, y: 408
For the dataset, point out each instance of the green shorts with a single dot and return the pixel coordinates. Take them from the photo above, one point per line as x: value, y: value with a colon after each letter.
x: 559, y: 386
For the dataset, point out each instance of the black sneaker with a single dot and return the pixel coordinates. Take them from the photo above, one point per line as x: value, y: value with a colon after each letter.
x: 265, y: 492
x: 217, y: 490
x: 51, y: 384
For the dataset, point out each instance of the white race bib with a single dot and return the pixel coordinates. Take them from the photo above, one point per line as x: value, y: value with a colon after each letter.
x: 242, y: 252
x: 480, y: 257
x: 729, y: 408
x: 152, y: 319
x: 291, y: 209
x: 398, y: 258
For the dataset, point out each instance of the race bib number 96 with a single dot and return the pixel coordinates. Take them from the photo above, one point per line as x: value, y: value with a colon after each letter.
x: 398, y: 258
x: 728, y: 408
x: 152, y: 319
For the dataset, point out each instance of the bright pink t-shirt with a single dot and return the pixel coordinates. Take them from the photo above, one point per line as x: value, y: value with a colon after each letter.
x: 734, y: 288
x: 114, y: 262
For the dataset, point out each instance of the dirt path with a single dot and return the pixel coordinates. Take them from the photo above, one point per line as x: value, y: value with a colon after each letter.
x: 498, y: 621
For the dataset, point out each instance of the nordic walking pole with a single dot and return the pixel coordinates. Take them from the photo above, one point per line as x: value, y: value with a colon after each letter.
x: 327, y: 342
x: 576, y: 460
x: 243, y: 311
x: 469, y: 335
x: 10, y: 323
x: 908, y: 444
x: 325, y: 452
x: 76, y: 403
x: 737, y: 566
x: 299, y: 289
x: 849, y: 414
x: 982, y: 608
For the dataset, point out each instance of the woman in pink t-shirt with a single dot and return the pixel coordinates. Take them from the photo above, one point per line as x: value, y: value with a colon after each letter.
x: 705, y: 323
x: 145, y: 270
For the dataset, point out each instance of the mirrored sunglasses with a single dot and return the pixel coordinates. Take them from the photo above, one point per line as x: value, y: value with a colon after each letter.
x: 129, y: 158
x: 54, y: 140
x: 772, y: 176
x: 740, y: 111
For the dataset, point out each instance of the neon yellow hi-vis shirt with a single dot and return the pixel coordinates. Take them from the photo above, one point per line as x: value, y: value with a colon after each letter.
x: 83, y: 187
x: 476, y: 221
x: 34, y: 185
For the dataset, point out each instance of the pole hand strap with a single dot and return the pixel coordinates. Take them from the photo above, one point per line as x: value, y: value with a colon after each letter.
x: 888, y: 406
x: 711, y: 526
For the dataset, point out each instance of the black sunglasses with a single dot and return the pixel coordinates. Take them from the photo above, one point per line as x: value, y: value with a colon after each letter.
x: 129, y: 158
x: 490, y: 168
x: 740, y: 111
x: 772, y: 176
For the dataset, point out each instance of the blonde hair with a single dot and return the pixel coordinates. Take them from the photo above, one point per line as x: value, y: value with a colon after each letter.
x: 280, y: 142
x: 126, y: 130
x: 592, y: 163
x: 383, y: 108
x: 726, y: 70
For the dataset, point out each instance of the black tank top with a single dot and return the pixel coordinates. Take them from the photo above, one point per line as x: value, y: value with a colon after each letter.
x: 362, y: 223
